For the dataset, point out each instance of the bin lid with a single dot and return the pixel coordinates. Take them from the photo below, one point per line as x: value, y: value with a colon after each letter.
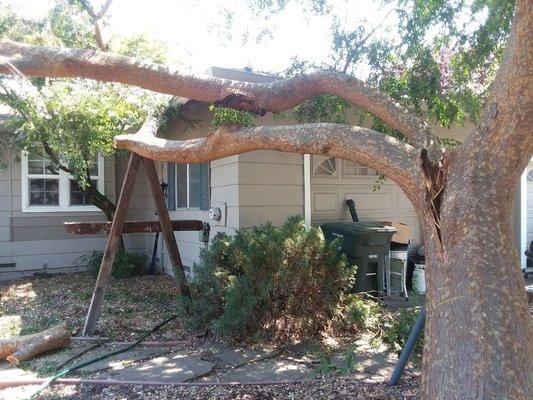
x: 358, y: 228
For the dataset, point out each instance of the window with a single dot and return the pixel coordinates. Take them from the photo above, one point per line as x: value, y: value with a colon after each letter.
x: 328, y: 167
x: 353, y: 169
x: 47, y: 188
x: 188, y: 186
x: 324, y: 166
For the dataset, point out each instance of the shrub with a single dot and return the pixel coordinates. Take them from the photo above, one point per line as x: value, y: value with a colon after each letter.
x: 125, y: 265
x: 363, y: 313
x: 398, y: 328
x: 269, y: 282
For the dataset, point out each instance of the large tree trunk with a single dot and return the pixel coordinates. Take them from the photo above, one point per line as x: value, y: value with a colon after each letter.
x: 479, y: 330
x: 478, y: 323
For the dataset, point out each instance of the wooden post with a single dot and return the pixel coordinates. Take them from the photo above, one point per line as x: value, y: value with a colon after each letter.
x: 113, y: 242
x: 166, y: 227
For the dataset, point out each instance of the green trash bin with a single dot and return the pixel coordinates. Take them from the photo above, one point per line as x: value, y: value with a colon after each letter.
x: 366, y: 244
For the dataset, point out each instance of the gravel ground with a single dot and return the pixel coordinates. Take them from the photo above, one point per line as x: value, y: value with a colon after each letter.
x: 325, y: 390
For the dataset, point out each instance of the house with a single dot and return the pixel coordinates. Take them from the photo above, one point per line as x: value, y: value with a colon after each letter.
x: 246, y: 189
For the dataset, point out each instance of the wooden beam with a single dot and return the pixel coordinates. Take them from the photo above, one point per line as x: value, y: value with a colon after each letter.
x: 103, y: 228
x: 113, y: 242
x: 166, y: 227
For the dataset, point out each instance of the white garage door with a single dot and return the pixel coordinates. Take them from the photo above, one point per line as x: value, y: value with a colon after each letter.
x: 333, y: 181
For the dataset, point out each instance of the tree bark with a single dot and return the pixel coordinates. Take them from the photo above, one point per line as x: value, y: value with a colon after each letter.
x: 21, y: 348
x: 478, y: 324
x: 100, y: 201
x: 275, y: 97
x: 479, y: 330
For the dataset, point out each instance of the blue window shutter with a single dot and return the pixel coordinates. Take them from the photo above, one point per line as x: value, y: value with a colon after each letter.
x: 204, y: 186
x: 171, y: 190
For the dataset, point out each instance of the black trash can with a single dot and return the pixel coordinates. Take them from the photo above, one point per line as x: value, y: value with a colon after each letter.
x: 360, y: 241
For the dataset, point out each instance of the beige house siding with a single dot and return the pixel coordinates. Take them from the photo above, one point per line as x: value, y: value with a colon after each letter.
x: 389, y: 203
x: 249, y: 188
x: 328, y: 202
x: 37, y: 241
x: 271, y: 187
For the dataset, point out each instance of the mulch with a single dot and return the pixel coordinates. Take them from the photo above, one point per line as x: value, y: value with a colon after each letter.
x: 134, y: 305
x: 130, y: 305
x: 348, y: 389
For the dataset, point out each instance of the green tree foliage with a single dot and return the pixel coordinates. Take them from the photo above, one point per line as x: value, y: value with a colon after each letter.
x: 73, y: 119
x: 322, y: 108
x: 66, y: 24
x: 269, y: 282
x: 140, y: 46
x: 442, y: 56
x: 434, y: 56
x: 125, y: 264
x: 76, y: 120
x: 229, y: 116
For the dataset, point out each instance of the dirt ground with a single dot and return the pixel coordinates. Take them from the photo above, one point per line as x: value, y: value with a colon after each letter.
x: 130, y: 306
x: 133, y: 306
x: 328, y: 390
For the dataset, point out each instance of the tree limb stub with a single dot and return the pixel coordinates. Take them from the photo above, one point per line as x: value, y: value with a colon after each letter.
x: 434, y: 183
x: 17, y: 349
x: 274, y: 97
x: 388, y: 155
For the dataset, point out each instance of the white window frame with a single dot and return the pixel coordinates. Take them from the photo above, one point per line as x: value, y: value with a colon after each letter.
x: 357, y: 177
x: 64, y: 189
x: 316, y: 162
x: 188, y: 191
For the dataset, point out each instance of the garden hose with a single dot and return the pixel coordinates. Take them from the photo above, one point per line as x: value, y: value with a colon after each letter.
x: 102, y: 357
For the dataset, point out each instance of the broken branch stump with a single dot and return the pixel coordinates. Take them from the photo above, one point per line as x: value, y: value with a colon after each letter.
x: 17, y: 349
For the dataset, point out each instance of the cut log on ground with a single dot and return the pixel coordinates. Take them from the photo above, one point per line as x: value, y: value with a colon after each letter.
x: 17, y: 349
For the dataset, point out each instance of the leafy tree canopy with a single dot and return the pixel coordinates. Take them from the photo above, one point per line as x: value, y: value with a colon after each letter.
x: 435, y: 56
x: 74, y: 119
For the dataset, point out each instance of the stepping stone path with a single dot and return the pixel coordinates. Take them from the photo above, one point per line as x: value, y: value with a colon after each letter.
x: 236, y: 356
x: 268, y: 370
x: 216, y: 362
x: 174, y: 367
x: 123, y: 359
x: 9, y: 372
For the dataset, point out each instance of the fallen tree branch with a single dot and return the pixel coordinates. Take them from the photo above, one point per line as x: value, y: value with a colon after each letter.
x: 274, y: 97
x: 17, y: 349
x: 388, y: 155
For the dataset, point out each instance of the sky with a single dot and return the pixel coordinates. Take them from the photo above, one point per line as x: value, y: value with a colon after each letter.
x: 197, y: 33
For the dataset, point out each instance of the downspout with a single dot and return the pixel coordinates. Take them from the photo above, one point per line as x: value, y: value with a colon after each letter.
x: 522, y: 204
x: 163, y: 171
x: 10, y: 206
x: 307, y: 190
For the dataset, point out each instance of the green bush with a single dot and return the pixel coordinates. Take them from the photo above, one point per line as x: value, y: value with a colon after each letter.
x: 269, y: 282
x: 363, y: 313
x: 125, y: 265
x: 398, y: 328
